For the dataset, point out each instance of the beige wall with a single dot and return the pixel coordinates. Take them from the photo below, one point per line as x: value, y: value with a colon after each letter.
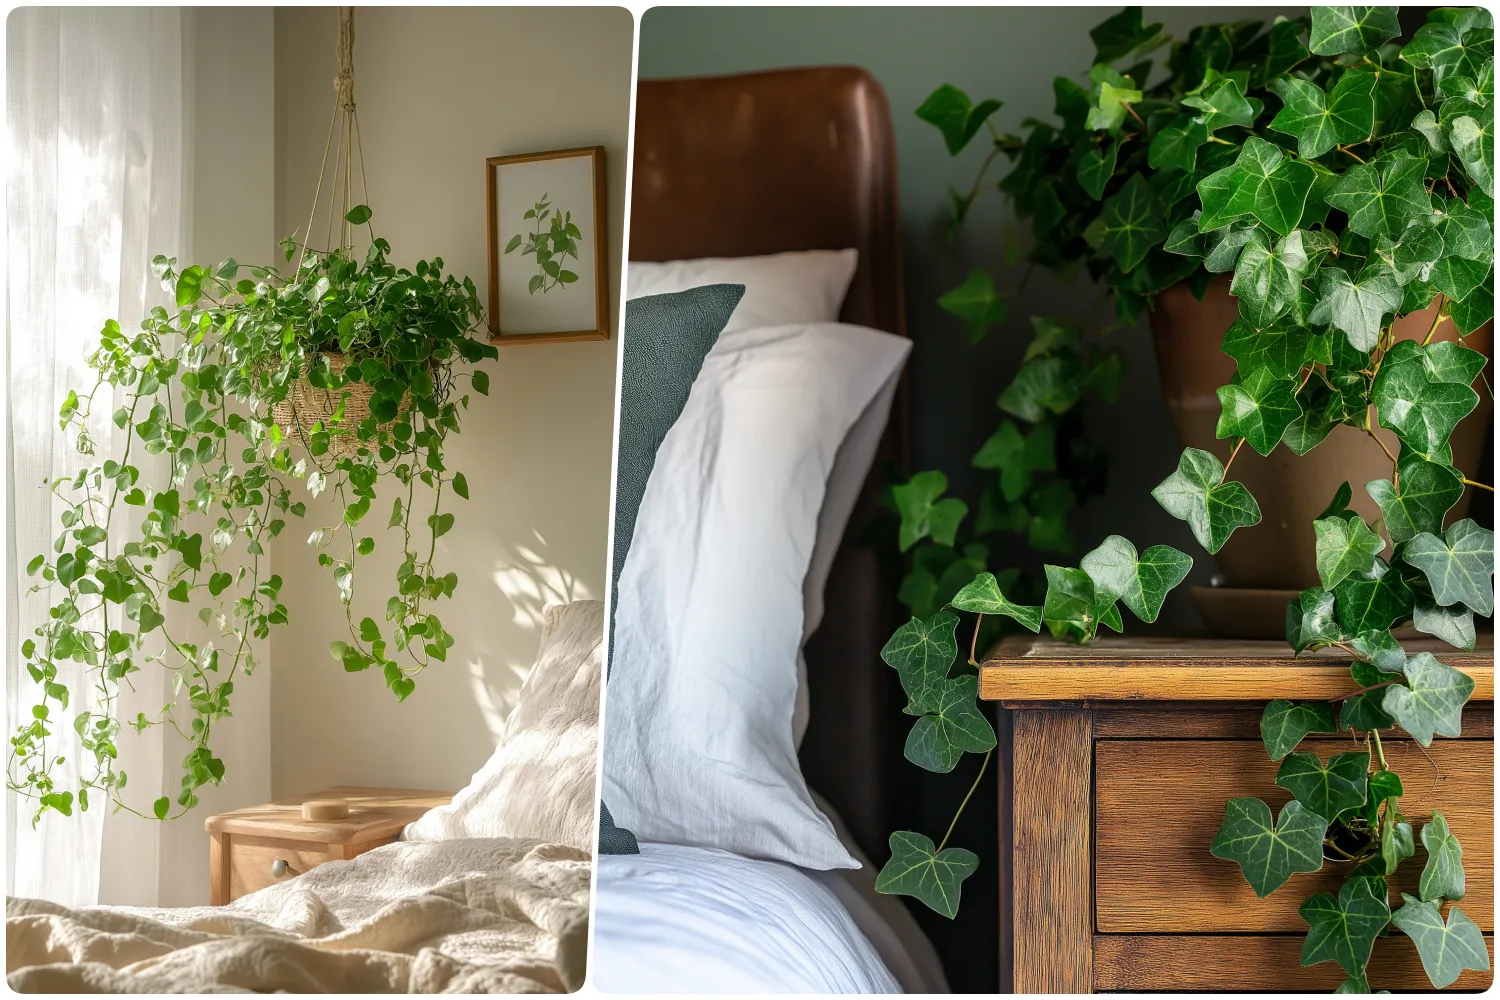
x: 438, y: 90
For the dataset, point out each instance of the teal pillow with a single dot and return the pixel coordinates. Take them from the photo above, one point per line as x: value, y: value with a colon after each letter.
x: 614, y: 839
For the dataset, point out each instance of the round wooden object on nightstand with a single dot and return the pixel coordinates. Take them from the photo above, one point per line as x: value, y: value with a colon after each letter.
x: 325, y: 809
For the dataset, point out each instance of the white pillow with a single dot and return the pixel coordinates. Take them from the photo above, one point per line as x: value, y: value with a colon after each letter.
x: 800, y: 286
x: 699, y: 746
x: 539, y: 784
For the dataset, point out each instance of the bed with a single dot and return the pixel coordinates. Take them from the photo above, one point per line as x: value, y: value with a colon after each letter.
x: 717, y: 162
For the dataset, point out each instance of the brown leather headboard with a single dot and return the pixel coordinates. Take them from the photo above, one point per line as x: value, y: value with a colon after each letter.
x: 800, y: 159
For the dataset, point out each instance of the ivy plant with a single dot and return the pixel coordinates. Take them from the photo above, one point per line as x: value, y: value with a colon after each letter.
x: 197, y: 386
x: 1344, y: 178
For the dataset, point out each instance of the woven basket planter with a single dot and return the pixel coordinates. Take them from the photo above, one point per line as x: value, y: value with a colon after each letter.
x: 307, y: 405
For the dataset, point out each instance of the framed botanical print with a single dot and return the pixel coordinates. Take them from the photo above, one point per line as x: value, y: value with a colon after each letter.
x: 549, y: 271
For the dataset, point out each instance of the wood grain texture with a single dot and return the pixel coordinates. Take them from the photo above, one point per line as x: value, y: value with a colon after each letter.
x: 1205, y: 962
x: 375, y: 814
x: 251, y: 858
x: 1053, y: 901
x: 218, y: 869
x: 1159, y: 804
x: 1210, y: 720
x: 1026, y: 669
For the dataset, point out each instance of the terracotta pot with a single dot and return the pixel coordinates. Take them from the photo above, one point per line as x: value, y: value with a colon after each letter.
x: 1278, y: 553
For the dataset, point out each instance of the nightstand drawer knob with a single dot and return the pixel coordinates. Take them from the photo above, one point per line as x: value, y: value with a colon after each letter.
x: 279, y: 869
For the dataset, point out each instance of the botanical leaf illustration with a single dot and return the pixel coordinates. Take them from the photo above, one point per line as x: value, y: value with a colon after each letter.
x: 976, y: 303
x: 1447, y: 948
x: 1284, y: 724
x: 1344, y: 929
x: 1344, y: 546
x: 1428, y: 491
x: 1321, y: 121
x: 1443, y: 875
x: 983, y: 595
x: 1382, y: 196
x: 1258, y: 408
x: 1197, y: 494
x: 1142, y: 582
x: 1459, y: 565
x: 1431, y: 700
x: 923, y: 514
x: 1131, y: 224
x: 1329, y: 790
x: 938, y: 741
x: 1269, y: 853
x: 922, y: 653
x: 1358, y: 307
x: 1336, y: 30
x: 917, y: 869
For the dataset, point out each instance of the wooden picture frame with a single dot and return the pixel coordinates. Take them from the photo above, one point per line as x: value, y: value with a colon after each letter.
x: 519, y: 312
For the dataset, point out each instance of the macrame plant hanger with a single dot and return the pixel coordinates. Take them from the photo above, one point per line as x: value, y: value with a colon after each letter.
x: 345, y: 124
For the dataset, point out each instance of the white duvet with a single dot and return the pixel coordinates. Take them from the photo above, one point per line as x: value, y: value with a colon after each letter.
x: 697, y: 920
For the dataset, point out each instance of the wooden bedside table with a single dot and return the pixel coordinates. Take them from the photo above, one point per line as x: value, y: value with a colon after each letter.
x: 1122, y: 754
x: 258, y: 846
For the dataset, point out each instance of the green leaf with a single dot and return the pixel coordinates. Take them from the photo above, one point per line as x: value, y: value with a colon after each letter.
x: 976, y: 303
x: 160, y: 807
x: 1282, y: 349
x: 1017, y: 456
x: 1071, y: 600
x: 1336, y: 30
x: 1474, y: 145
x: 923, y: 514
x: 1122, y: 34
x: 1172, y: 147
x: 1381, y: 649
x: 1141, y: 582
x: 1458, y: 566
x: 1131, y: 224
x: 1344, y: 929
x: 481, y: 382
x: 1310, y: 621
x: 1258, y: 408
x: 1427, y: 492
x: 1356, y: 307
x: 1396, y: 844
x: 1443, y: 875
x: 1446, y: 361
x: 982, y: 595
x: 1286, y: 49
x: 922, y: 652
x: 1327, y: 791
x: 1197, y: 494
x: 954, y: 115
x: 938, y: 741
x: 1344, y: 546
x: 358, y: 215
x: 1421, y: 411
x: 917, y: 869
x: 1115, y: 97
x: 1321, y: 121
x: 1476, y: 310
x: 1267, y: 280
x: 1223, y: 103
x: 1446, y: 948
x: 1382, y: 196
x: 461, y: 485
x: 1269, y: 853
x: 1284, y: 724
x: 1432, y: 699
x: 1448, y: 50
x: 1371, y: 600
x: 1454, y: 624
x: 1044, y: 385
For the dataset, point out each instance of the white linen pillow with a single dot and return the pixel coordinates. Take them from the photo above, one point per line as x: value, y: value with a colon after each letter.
x: 800, y: 286
x: 699, y: 748
x: 540, y: 782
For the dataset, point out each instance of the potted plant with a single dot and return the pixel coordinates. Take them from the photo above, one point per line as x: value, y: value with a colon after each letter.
x: 1253, y: 132
x: 1327, y: 257
x: 345, y: 374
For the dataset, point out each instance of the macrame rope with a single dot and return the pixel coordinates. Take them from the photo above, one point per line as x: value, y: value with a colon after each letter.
x: 345, y: 123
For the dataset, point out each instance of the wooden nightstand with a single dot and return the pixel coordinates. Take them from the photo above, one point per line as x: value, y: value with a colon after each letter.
x: 1122, y: 754
x: 258, y: 846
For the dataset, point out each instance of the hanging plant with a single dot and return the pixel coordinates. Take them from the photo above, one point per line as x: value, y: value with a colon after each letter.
x: 1345, y: 180
x: 340, y: 376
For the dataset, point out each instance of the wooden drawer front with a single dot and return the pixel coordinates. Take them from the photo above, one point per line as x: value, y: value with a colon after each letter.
x: 1158, y: 804
x: 250, y: 860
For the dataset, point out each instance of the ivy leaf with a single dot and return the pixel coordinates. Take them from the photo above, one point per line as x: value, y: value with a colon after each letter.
x: 1225, y: 243
x: 1096, y: 168
x: 1443, y: 875
x: 1432, y: 699
x: 1310, y: 621
x: 1372, y: 600
x: 1261, y: 182
x: 1285, y: 47
x: 1344, y: 546
x: 1458, y: 566
x: 1321, y: 121
x: 1422, y: 412
x: 976, y: 303
x: 1197, y: 494
x: 955, y: 115
x: 1141, y: 582
x: 923, y: 514
x: 939, y: 739
x: 1382, y: 651
x: 1122, y: 34
x: 1396, y: 843
x: 1284, y: 724
x: 1071, y: 598
x: 919, y: 870
x: 1363, y: 712
x: 1131, y: 224
x: 1427, y: 492
x: 1456, y: 277
x: 922, y: 653
x: 1282, y: 349
x: 1474, y: 145
x: 1446, y: 361
x: 1112, y: 107
x: 1448, y: 50
x: 1344, y: 929
x: 1043, y: 385
x: 1223, y: 103
x: 1267, y: 280
x: 1176, y: 146
x: 1327, y: 791
x: 1454, y: 624
x: 1356, y: 307
x: 1476, y: 310
x: 1258, y: 408
x: 1268, y: 854
x: 1382, y: 196
x: 1017, y: 456
x: 982, y: 595
x: 1446, y: 948
x: 1336, y: 30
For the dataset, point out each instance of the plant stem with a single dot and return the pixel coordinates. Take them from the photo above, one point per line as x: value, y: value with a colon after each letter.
x: 965, y: 802
x: 1379, y: 750
x: 1132, y: 113
x: 1232, y: 454
x: 1437, y: 321
x: 1347, y: 152
x: 1363, y: 690
x: 1482, y: 486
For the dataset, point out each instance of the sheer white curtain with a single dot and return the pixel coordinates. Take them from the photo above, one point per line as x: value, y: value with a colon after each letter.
x: 94, y: 187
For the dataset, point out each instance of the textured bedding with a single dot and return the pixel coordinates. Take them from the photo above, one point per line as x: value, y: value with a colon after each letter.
x: 496, y: 916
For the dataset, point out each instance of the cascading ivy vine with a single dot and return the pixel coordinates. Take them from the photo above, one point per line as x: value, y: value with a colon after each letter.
x: 1345, y: 178
x: 202, y: 387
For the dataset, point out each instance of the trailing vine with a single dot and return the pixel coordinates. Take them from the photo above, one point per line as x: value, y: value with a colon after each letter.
x: 1345, y: 179
x: 221, y: 389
